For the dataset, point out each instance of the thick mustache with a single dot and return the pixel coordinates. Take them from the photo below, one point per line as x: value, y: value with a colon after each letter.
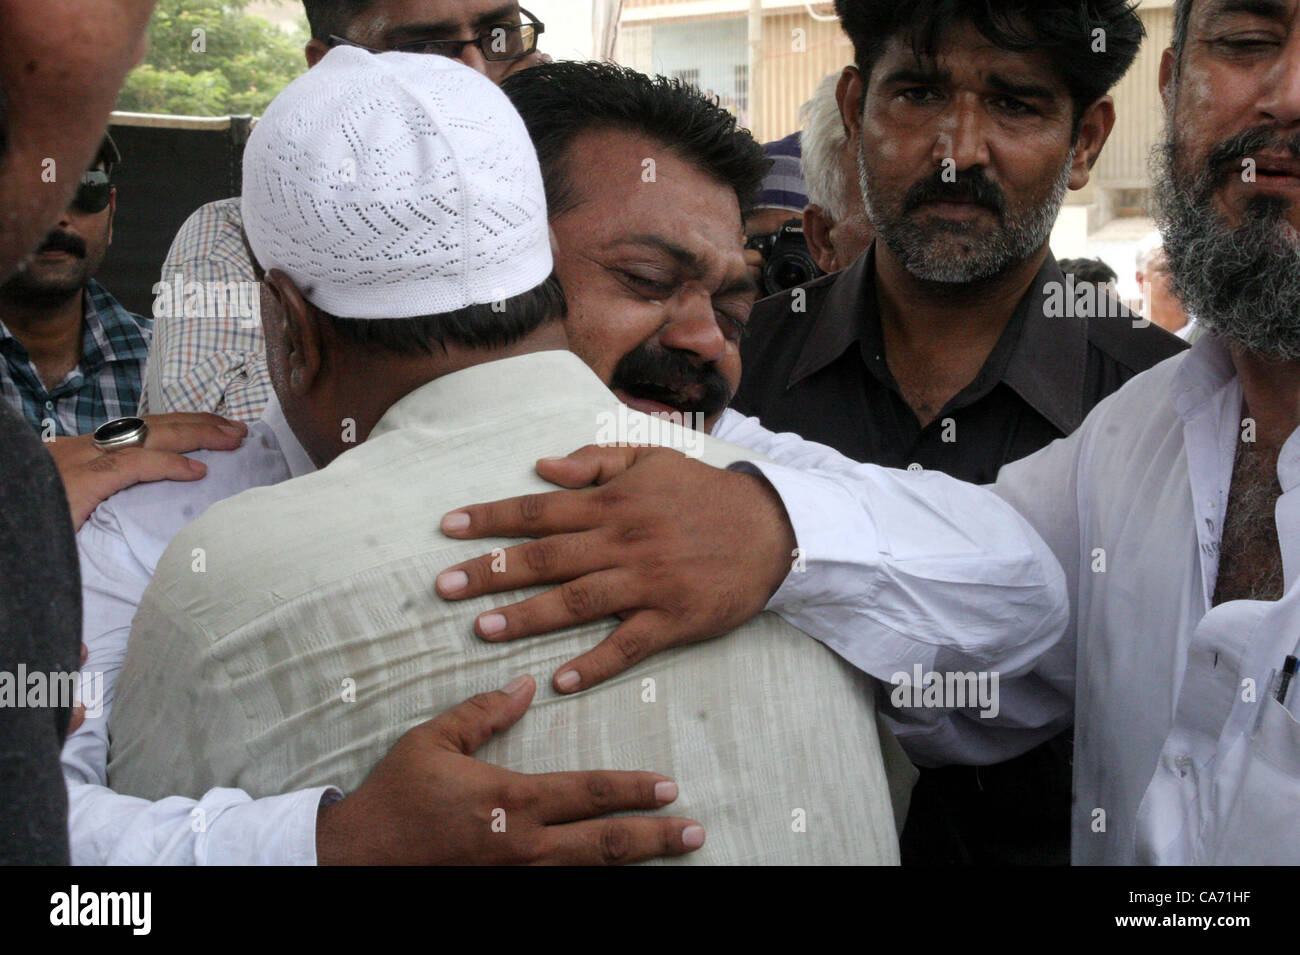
x: 670, y: 378
x: 63, y: 242
x: 973, y: 187
x: 1224, y: 160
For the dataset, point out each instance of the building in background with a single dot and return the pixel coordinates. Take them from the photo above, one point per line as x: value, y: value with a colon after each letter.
x: 707, y: 42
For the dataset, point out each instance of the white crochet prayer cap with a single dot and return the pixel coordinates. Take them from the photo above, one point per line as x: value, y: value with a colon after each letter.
x: 395, y: 185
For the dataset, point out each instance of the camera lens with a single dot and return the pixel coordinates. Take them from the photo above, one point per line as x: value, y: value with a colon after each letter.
x: 788, y: 270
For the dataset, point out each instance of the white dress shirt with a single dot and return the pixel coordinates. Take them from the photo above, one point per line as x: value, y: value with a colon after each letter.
x: 929, y: 568
x: 119, y: 546
x: 1174, y: 761
x: 909, y: 569
x: 1182, y: 755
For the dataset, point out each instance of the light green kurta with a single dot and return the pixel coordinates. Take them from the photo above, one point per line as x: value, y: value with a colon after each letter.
x: 240, y: 675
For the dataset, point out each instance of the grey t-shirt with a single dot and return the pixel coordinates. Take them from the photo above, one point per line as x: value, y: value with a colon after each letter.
x: 40, y: 631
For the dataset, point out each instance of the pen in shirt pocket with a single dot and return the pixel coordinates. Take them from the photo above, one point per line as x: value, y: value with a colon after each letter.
x: 1284, y: 684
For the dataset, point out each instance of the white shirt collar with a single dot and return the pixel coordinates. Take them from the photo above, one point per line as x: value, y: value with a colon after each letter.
x: 299, y: 461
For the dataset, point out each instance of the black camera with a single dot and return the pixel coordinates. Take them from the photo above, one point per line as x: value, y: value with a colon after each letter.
x: 786, y: 261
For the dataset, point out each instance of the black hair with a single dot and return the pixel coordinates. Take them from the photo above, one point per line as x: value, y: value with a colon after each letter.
x: 492, y: 325
x: 560, y: 101
x: 326, y: 17
x: 1063, y: 30
x: 1182, y: 16
x: 1095, y: 271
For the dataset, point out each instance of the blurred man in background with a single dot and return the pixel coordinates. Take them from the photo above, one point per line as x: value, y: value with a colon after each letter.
x: 73, y: 357
x: 1093, y: 271
x: 1160, y: 305
x: 218, y: 362
x: 835, y: 222
x: 775, y: 249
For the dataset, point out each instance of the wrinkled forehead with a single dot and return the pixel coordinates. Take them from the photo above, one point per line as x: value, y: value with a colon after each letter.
x: 1210, y: 15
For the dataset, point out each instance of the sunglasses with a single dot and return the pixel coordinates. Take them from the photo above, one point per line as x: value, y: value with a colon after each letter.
x: 503, y: 42
x: 93, y: 192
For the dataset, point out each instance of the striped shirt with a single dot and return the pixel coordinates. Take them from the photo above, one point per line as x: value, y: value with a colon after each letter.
x: 208, y: 353
x: 104, y: 385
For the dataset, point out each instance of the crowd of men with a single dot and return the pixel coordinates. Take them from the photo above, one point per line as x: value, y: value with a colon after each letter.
x: 533, y: 393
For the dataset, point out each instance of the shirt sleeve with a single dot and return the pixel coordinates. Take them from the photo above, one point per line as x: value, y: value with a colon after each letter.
x: 207, y: 352
x: 900, y: 569
x: 224, y: 826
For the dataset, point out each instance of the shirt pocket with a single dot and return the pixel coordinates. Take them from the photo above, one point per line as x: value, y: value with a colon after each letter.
x: 1262, y: 823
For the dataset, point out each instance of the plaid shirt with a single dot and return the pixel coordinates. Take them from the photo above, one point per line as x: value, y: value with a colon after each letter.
x: 104, y: 385
x: 203, y: 361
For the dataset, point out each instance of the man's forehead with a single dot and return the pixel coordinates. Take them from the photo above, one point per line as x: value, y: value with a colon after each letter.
x: 396, y: 17
x: 961, y: 50
x: 619, y: 167
x: 666, y: 210
x: 1209, y: 14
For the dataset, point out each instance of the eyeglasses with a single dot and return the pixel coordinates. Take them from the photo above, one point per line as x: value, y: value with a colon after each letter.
x: 502, y: 42
x: 93, y: 192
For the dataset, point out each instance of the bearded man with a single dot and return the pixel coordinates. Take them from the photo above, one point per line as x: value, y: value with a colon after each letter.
x: 945, y: 347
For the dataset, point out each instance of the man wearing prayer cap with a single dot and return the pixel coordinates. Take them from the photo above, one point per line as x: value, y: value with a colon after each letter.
x: 290, y: 639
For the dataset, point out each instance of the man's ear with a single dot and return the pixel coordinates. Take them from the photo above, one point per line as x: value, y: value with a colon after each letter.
x: 850, y: 94
x: 1094, y: 130
x: 291, y: 321
x: 1168, y: 67
x: 314, y: 50
x: 817, y: 232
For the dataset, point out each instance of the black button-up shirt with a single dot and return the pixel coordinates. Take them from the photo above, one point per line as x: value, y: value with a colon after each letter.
x: 821, y: 373
x: 814, y: 363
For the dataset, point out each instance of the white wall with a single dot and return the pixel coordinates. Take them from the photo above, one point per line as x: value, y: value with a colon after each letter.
x: 568, y: 27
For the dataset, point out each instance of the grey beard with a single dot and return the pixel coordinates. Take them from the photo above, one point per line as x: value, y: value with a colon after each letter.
x: 1241, y: 283
x: 1015, y: 240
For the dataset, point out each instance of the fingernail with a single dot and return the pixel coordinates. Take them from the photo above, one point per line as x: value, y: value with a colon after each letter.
x: 568, y: 680
x: 233, y: 430
x: 198, y: 467
x: 491, y: 623
x: 456, y: 521
x: 665, y: 791
x: 515, y: 685
x: 693, y: 837
x: 548, y: 460
x: 452, y: 582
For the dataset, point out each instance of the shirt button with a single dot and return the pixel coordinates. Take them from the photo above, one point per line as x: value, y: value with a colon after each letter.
x: 915, y: 467
x: 1183, y: 764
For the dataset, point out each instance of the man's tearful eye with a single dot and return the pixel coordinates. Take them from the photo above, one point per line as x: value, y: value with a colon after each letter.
x: 650, y: 288
x: 733, y: 322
